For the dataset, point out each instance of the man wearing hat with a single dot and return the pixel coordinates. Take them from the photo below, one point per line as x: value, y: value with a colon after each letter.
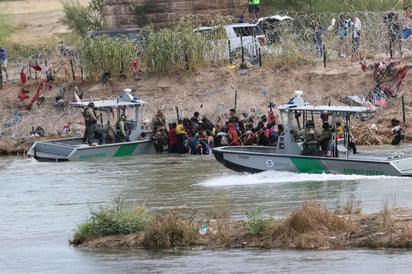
x: 90, y: 120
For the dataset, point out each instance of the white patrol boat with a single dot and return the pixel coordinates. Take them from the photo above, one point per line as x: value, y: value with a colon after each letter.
x: 73, y: 149
x: 287, y: 154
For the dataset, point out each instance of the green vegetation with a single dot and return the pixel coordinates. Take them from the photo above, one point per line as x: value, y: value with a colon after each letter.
x: 256, y: 223
x: 333, y: 5
x: 105, y: 54
x: 310, y: 226
x: 111, y: 221
x: 179, y: 48
x: 174, y: 229
x: 82, y: 19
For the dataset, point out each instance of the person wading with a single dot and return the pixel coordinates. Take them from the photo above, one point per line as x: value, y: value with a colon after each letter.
x: 159, y: 121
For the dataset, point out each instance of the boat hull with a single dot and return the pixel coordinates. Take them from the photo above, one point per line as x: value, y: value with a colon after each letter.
x: 257, y: 159
x: 72, y: 149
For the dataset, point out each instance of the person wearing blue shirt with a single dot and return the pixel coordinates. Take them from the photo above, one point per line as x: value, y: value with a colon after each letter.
x: 3, y: 61
x: 317, y: 36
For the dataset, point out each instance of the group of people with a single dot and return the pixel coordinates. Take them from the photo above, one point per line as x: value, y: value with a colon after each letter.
x: 321, y: 143
x: 90, y: 120
x: 345, y: 28
x: 198, y: 135
x: 348, y: 28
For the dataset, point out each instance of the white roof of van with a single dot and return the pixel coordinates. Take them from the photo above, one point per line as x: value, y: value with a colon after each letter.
x: 275, y: 18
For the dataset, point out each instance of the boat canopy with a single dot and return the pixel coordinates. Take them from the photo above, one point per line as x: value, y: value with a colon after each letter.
x: 125, y: 99
x: 325, y: 108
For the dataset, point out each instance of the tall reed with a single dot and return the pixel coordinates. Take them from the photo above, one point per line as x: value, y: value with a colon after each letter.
x: 102, y: 54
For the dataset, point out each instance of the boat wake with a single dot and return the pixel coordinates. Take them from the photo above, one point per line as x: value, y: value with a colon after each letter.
x: 276, y: 177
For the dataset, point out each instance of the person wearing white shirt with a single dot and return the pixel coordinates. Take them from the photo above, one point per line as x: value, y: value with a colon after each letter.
x: 356, y: 32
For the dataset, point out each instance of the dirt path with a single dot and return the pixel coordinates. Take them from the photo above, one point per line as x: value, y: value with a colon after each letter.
x: 35, y: 20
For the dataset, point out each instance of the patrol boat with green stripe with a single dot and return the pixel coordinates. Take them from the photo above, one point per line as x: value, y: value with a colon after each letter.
x: 105, y: 142
x: 340, y: 158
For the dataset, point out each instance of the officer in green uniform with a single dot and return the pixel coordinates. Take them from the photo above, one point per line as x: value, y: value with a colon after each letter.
x: 325, y: 138
x: 310, y: 146
x: 122, y: 129
x: 90, y: 120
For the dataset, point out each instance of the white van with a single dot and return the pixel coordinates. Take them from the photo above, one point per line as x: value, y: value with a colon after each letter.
x: 249, y: 36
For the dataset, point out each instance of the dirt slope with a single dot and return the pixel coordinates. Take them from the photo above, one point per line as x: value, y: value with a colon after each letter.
x: 211, y: 91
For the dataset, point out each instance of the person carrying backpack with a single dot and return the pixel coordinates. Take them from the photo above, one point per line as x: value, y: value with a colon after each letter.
x: 221, y: 138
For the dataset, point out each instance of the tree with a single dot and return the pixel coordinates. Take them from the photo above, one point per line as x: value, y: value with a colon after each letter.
x: 83, y: 19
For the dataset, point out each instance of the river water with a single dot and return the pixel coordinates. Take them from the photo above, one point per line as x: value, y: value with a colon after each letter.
x: 42, y: 204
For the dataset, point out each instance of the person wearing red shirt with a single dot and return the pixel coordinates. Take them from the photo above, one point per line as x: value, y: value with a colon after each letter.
x: 172, y: 138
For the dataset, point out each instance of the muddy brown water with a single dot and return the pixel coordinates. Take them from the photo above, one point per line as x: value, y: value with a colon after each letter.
x: 42, y: 204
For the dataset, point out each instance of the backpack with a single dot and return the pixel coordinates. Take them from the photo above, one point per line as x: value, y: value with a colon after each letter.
x: 401, y: 134
x: 224, y: 140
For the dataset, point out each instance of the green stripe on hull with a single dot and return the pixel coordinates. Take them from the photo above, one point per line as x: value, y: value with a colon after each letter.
x: 306, y: 165
x: 125, y: 150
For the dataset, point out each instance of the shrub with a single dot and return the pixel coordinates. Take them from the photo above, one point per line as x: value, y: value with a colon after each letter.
x: 82, y: 19
x: 171, y: 229
x: 112, y: 221
x: 312, y: 217
x: 256, y: 223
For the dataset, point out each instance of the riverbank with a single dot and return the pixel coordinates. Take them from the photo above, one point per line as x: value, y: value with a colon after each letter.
x: 310, y: 227
x: 211, y: 91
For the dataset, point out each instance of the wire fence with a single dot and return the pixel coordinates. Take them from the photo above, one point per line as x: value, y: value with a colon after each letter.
x: 375, y: 40
x: 375, y: 35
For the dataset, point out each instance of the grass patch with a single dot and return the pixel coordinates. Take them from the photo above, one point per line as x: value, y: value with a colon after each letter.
x: 350, y: 207
x: 256, y: 224
x: 308, y: 227
x: 112, y: 221
x: 171, y: 229
x: 387, y: 220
